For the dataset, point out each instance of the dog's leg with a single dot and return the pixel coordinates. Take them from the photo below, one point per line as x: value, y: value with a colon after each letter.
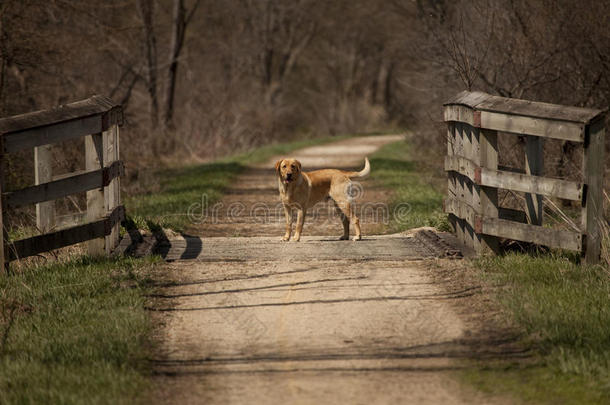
x: 288, y: 214
x: 300, y: 220
x: 348, y: 211
x: 344, y: 220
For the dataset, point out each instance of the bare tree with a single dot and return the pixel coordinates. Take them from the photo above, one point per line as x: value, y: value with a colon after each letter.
x: 180, y: 21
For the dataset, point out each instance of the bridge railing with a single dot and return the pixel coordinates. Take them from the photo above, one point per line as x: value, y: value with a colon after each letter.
x: 474, y: 120
x: 97, y: 119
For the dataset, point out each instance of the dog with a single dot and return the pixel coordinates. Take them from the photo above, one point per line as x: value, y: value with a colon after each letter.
x: 302, y: 190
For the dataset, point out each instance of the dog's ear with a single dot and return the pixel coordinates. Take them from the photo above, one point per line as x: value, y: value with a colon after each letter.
x: 298, y: 164
x: 277, y: 164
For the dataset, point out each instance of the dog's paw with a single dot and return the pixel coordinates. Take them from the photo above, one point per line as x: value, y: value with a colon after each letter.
x: 286, y: 238
x: 344, y: 237
x: 357, y: 237
x: 296, y: 239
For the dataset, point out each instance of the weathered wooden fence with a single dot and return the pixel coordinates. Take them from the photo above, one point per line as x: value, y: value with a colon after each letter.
x: 97, y: 119
x: 474, y: 120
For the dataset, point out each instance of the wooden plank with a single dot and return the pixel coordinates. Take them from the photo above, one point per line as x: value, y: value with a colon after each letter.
x: 486, y: 102
x: 95, y: 198
x: 95, y: 105
x: 461, y: 186
x: 459, y: 113
x: 45, y: 211
x: 460, y: 209
x: 451, y: 176
x: 112, y: 191
x: 534, y: 166
x: 568, y: 190
x: 66, y: 237
x: 530, y: 233
x: 60, y: 132
x: 53, y: 190
x: 461, y: 165
x: 488, y: 159
x: 593, y: 205
x: 521, y: 125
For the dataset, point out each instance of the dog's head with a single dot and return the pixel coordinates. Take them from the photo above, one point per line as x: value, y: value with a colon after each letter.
x: 288, y: 170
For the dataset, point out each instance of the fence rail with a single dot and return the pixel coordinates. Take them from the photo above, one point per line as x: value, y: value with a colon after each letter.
x: 97, y: 119
x: 474, y: 120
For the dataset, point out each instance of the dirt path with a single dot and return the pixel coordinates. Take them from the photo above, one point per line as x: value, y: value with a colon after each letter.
x: 253, y: 320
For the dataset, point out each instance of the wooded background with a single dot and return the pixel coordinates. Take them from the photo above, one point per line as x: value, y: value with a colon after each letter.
x: 202, y: 78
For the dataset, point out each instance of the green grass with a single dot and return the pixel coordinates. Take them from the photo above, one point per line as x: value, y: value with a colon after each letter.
x: 186, y: 187
x: 74, y: 332
x: 563, y: 308
x: 417, y: 198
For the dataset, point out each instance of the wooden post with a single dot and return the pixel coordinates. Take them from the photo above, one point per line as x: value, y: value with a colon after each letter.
x: 451, y: 176
x: 95, y: 198
x: 593, y: 210
x: 486, y: 156
x: 534, y: 165
x: 460, y: 186
x: 43, y: 173
x: 112, y: 191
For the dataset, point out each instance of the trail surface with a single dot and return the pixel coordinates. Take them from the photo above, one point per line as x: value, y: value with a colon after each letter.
x: 244, y: 318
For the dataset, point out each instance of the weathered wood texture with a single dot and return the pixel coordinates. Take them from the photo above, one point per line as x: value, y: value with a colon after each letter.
x: 474, y: 177
x: 45, y: 211
x: 95, y: 198
x: 25, y: 131
x: 568, y: 190
x: 593, y: 209
x: 66, y: 186
x: 66, y: 237
x: 97, y: 119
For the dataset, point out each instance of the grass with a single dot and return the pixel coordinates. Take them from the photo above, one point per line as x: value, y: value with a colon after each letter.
x: 189, y: 187
x: 563, y: 308
x: 417, y: 199
x: 74, y: 332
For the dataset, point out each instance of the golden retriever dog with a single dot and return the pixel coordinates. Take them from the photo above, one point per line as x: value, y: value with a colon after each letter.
x: 302, y: 190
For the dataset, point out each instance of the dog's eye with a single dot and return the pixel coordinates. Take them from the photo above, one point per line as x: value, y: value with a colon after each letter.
x: 283, y: 167
x: 292, y: 167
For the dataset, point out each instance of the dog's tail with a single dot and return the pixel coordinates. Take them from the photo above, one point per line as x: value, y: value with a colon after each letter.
x: 364, y: 172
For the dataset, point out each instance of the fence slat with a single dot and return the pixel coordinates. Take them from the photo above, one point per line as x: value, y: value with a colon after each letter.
x: 45, y: 211
x: 488, y: 160
x: 593, y: 205
x: 568, y: 190
x: 66, y: 237
x: 531, y: 233
x: 95, y: 198
x: 61, y: 188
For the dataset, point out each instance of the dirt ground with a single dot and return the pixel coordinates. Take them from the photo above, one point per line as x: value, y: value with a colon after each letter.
x: 244, y: 318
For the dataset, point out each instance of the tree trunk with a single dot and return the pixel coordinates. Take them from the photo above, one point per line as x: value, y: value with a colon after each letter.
x: 147, y: 11
x: 178, y: 28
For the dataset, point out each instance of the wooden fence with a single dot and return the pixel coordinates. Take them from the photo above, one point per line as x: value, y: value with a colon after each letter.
x: 97, y: 119
x: 474, y: 120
